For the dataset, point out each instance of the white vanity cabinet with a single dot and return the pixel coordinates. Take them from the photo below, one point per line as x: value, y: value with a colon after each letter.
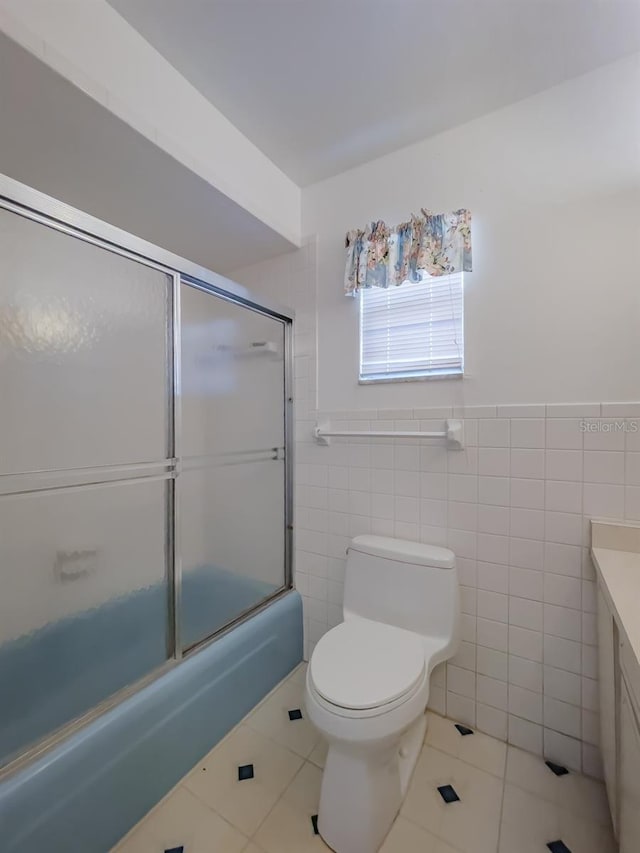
x: 615, y: 549
x: 619, y: 725
x: 629, y: 772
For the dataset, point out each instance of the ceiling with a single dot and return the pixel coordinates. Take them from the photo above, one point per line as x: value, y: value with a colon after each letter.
x: 323, y: 85
x: 58, y: 140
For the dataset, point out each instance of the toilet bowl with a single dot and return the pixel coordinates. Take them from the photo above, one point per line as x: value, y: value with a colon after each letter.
x: 367, y: 683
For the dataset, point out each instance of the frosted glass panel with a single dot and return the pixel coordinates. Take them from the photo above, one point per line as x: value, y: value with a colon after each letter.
x: 232, y: 543
x: 84, y: 604
x: 233, y: 483
x: 232, y: 376
x: 83, y: 352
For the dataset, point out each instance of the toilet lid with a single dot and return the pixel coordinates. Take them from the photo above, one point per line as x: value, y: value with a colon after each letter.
x: 364, y: 664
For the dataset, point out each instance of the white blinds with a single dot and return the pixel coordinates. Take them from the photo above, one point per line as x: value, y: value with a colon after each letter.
x: 412, y: 330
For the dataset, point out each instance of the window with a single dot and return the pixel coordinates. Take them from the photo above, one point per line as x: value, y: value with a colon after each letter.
x: 412, y: 331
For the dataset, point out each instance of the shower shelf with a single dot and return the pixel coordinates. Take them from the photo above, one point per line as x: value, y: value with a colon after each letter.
x: 453, y: 434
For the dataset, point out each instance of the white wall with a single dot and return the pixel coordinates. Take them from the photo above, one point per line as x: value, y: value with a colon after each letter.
x: 552, y: 307
x: 117, y: 67
x: 515, y: 507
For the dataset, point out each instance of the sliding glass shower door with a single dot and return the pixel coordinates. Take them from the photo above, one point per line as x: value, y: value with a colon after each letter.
x: 144, y: 482
x: 232, y: 484
x: 85, y: 471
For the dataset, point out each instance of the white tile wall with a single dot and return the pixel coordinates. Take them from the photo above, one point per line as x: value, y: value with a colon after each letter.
x: 514, y: 505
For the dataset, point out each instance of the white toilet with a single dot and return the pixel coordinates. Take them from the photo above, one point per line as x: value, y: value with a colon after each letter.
x: 368, y: 682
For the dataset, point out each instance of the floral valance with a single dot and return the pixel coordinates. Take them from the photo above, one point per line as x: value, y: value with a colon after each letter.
x: 381, y: 256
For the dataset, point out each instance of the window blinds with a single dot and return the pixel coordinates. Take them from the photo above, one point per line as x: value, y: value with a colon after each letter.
x: 412, y: 330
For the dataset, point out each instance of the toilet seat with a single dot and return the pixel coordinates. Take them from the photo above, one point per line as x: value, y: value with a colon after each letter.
x: 361, y: 665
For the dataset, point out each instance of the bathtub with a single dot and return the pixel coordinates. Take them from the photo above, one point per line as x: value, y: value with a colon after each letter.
x: 59, y: 659
x: 88, y: 791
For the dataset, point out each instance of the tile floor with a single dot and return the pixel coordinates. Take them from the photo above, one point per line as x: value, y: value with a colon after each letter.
x: 509, y: 800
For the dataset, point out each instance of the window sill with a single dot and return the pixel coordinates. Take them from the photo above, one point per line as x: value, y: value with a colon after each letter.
x: 426, y: 378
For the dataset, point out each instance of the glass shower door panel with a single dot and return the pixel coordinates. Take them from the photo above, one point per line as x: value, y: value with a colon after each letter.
x: 84, y: 399
x: 84, y: 605
x: 233, y: 481
x: 83, y: 352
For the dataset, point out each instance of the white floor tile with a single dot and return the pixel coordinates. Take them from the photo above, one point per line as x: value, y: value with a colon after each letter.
x: 470, y: 825
x: 515, y: 840
x: 442, y: 734
x: 288, y: 830
x: 529, y: 823
x: 478, y: 749
x: 583, y: 836
x: 533, y: 816
x: 303, y: 792
x: 578, y: 794
x: 408, y: 837
x: 272, y: 719
x: 244, y: 804
x: 183, y: 820
x: 510, y: 801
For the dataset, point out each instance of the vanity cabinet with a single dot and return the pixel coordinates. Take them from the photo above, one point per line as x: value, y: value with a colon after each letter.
x: 615, y: 550
x: 619, y: 727
x: 629, y: 777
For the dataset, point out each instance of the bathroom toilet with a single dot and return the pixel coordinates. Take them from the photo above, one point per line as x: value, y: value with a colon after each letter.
x: 367, y: 682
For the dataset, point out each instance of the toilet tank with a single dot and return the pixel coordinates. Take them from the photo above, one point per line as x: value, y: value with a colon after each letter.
x: 401, y: 583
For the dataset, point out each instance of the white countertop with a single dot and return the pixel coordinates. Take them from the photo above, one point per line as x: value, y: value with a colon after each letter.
x: 619, y: 577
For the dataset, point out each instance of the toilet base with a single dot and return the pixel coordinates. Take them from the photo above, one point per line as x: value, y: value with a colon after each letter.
x: 363, y: 787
